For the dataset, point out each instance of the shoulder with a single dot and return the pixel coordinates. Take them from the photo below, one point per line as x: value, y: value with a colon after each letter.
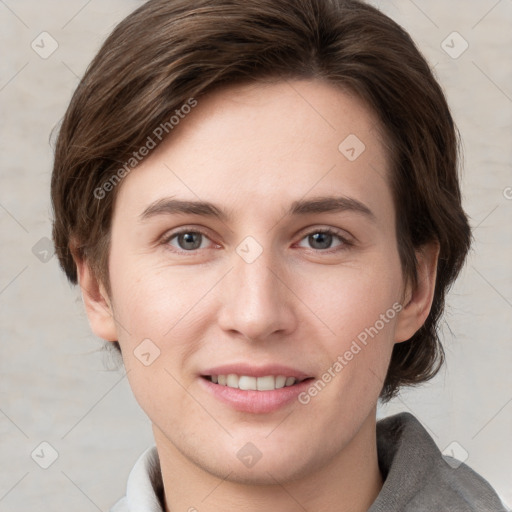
x: 417, y: 477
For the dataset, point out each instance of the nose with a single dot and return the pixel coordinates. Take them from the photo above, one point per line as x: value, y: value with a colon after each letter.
x: 256, y: 300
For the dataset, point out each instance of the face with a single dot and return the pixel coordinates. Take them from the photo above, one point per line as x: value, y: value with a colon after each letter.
x: 256, y: 249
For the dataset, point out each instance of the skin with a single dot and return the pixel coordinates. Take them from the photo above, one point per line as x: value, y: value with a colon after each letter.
x: 253, y: 150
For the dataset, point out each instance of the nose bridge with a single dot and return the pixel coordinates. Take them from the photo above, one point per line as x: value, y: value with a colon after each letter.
x: 255, y: 302
x: 256, y: 283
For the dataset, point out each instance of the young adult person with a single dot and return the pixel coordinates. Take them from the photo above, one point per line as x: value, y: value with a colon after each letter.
x: 260, y: 202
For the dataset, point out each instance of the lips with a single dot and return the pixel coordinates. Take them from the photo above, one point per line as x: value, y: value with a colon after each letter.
x: 252, y: 389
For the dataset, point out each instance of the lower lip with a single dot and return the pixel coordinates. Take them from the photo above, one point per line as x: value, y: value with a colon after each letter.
x: 256, y: 402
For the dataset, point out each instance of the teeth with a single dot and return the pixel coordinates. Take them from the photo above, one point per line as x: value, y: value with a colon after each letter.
x: 232, y: 381
x: 280, y: 382
x: 263, y: 383
x: 245, y: 382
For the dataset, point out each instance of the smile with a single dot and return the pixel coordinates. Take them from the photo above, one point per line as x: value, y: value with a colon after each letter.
x: 256, y: 390
x: 246, y: 382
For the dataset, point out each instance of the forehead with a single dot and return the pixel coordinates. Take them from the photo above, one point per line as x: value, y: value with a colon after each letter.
x: 266, y: 144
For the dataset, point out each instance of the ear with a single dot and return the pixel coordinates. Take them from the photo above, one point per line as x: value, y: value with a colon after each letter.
x: 97, y: 303
x: 418, y: 301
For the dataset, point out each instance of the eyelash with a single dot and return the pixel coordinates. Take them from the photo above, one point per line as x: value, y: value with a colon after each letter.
x: 345, y: 243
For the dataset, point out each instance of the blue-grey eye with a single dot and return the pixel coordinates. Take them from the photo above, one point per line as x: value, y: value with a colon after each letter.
x: 188, y: 241
x: 321, y: 240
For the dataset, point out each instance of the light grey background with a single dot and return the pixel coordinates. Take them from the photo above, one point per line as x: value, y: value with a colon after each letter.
x: 55, y: 382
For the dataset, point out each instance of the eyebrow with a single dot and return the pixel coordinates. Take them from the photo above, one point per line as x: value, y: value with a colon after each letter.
x: 329, y: 204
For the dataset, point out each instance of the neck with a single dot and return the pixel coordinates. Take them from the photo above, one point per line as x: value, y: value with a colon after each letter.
x: 349, y: 482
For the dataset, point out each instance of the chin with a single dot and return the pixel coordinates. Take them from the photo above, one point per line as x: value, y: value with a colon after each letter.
x: 271, y: 472
x: 270, y: 464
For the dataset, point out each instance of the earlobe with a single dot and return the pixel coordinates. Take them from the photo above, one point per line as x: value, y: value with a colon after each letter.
x: 418, y: 301
x: 97, y: 303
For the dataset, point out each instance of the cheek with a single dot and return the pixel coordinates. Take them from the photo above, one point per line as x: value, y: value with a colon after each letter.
x: 150, y: 302
x: 350, y: 299
x: 156, y: 312
x: 163, y: 312
x: 359, y: 307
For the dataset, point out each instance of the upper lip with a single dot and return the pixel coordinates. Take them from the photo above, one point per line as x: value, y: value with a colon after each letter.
x: 256, y: 371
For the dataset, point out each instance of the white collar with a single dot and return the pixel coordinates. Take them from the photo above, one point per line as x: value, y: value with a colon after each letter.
x: 144, y: 488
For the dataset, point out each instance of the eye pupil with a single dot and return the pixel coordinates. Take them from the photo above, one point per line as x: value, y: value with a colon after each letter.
x: 189, y: 241
x: 320, y: 240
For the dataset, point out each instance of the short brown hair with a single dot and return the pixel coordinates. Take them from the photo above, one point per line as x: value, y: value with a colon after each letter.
x: 169, y: 51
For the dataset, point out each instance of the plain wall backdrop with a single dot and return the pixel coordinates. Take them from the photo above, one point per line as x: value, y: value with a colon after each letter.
x: 56, y: 385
